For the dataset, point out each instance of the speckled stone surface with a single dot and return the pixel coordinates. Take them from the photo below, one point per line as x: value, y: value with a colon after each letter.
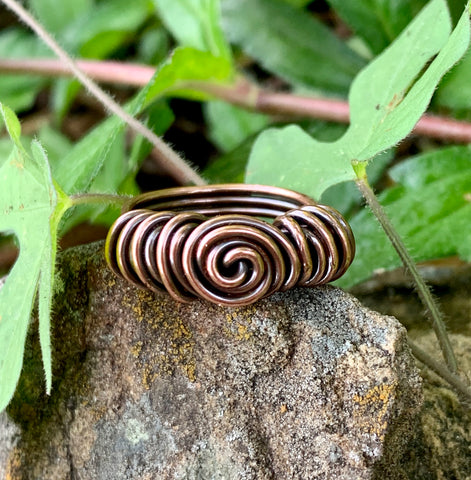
x: 445, y: 420
x: 303, y: 385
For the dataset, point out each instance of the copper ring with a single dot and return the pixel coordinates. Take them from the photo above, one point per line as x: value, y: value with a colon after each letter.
x: 215, y: 243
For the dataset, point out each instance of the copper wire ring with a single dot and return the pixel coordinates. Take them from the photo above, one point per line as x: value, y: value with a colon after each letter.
x: 215, y: 243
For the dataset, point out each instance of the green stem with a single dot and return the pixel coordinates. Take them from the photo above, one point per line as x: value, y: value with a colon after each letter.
x: 104, y: 198
x: 422, y: 289
x: 440, y: 370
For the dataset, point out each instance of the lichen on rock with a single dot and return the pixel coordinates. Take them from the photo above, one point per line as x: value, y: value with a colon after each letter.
x: 306, y: 384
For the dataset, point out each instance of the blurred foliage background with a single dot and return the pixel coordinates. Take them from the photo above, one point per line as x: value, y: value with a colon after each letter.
x: 313, y: 48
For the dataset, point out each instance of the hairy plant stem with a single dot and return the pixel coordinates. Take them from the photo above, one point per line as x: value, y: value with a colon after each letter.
x: 422, y: 288
x: 173, y: 162
x: 242, y: 93
x: 104, y: 198
x: 443, y: 372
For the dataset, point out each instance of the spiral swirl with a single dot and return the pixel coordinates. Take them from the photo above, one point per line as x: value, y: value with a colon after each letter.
x: 212, y: 242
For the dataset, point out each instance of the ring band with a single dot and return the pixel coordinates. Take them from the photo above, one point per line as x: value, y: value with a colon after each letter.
x: 215, y: 243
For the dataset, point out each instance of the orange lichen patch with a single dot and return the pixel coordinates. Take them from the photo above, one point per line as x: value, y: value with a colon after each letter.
x: 166, y: 342
x: 136, y: 349
x: 156, y: 320
x: 150, y: 303
x: 137, y: 308
x: 243, y: 332
x: 13, y: 468
x: 373, y: 406
x: 126, y: 300
x: 240, y: 325
x: 148, y: 376
x: 173, y: 349
x: 190, y: 371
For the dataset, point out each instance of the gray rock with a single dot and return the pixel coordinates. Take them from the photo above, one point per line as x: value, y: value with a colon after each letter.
x: 442, y: 449
x: 303, y: 385
x: 9, y: 437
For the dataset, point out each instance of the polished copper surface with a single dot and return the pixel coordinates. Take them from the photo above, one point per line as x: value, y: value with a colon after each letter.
x: 215, y: 243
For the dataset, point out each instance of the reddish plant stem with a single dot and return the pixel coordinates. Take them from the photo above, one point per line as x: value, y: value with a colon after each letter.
x: 101, y: 71
x: 443, y: 128
x: 242, y: 93
x: 320, y: 108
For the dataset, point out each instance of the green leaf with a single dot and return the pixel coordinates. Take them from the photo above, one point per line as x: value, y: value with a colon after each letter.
x: 97, y: 33
x: 386, y: 100
x: 63, y: 95
x: 119, y: 171
x: 103, y: 165
x: 430, y: 208
x: 389, y: 96
x: 289, y: 157
x: 230, y: 167
x: 55, y: 15
x: 19, y: 91
x: 104, y: 27
x: 112, y: 173
x: 455, y: 89
x: 31, y: 208
x: 229, y: 126
x: 291, y: 43
x: 48, y: 261
x: 425, y: 169
x: 298, y: 3
x: 344, y: 196
x: 55, y: 144
x: 378, y: 22
x: 188, y: 65
x: 5, y: 150
x: 80, y: 167
x: 195, y: 23
x: 11, y: 122
x: 77, y: 170
x: 153, y: 46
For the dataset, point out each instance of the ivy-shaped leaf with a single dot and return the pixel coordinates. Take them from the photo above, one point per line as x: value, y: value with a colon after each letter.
x: 31, y: 207
x: 390, y: 95
x: 386, y: 100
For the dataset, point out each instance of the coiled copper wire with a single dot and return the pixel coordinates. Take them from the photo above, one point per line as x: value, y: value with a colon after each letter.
x: 215, y: 243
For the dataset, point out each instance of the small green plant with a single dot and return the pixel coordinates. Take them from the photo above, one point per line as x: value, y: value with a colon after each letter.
x: 45, y: 189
